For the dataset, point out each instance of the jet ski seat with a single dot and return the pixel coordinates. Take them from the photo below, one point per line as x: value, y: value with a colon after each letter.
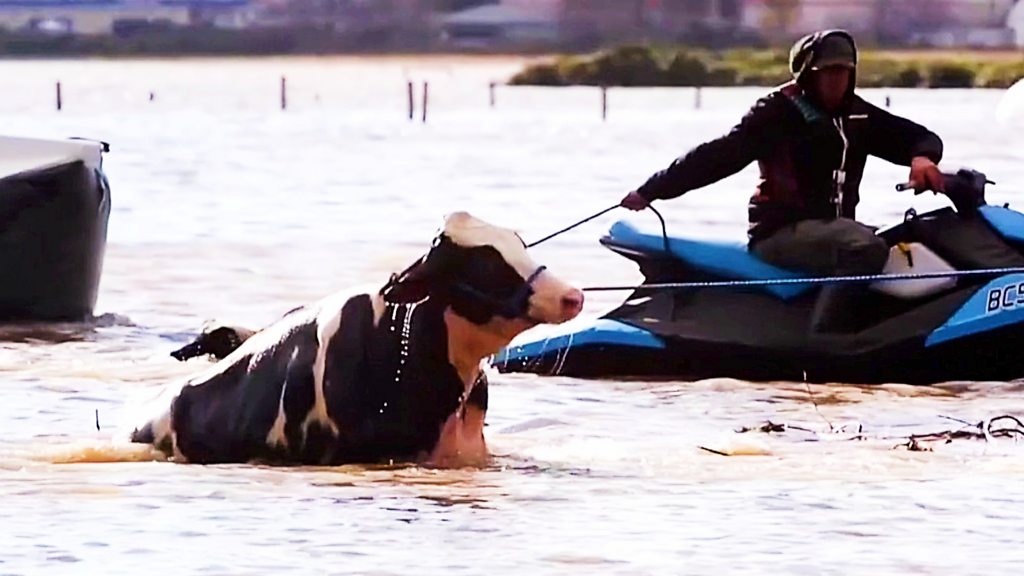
x: 726, y: 260
x: 1008, y: 223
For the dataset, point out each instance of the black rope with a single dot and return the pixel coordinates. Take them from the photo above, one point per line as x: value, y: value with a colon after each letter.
x: 571, y: 226
x: 664, y: 229
x: 661, y: 219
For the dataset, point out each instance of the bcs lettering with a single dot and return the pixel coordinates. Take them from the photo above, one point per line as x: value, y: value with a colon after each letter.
x: 1005, y: 298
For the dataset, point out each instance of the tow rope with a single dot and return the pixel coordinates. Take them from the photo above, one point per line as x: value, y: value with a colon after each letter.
x: 664, y: 228
x: 867, y: 278
x: 816, y: 280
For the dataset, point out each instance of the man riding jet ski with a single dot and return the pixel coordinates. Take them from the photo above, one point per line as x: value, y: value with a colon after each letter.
x: 811, y: 139
x: 747, y: 310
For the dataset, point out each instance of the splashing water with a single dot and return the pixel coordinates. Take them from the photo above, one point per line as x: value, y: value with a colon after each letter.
x: 1010, y: 110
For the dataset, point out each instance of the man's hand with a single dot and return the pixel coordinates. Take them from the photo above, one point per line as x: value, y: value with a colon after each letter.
x: 925, y: 175
x: 634, y: 201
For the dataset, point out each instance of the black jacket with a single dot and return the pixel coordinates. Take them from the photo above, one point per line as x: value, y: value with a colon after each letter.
x: 811, y: 163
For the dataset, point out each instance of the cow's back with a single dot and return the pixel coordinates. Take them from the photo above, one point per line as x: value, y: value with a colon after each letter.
x: 347, y: 381
x: 230, y: 416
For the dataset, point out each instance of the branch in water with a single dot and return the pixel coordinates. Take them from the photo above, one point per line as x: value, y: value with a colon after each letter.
x: 984, y: 430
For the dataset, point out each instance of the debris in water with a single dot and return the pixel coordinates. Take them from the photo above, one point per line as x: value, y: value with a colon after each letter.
x: 913, y: 446
x: 1004, y: 426
x: 735, y: 445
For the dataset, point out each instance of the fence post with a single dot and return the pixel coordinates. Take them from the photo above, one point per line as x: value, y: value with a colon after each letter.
x: 426, y: 97
x: 412, y: 101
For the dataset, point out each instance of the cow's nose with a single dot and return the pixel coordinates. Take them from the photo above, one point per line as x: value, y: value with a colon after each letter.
x: 572, y: 302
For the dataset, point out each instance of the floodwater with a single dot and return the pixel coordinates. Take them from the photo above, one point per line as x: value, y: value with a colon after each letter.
x: 227, y: 207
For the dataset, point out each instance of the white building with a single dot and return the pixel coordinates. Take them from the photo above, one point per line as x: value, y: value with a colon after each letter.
x: 1015, y: 22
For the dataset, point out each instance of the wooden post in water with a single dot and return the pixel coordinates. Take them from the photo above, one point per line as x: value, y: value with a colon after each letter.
x: 492, y: 86
x: 604, y: 102
x: 697, y: 98
x: 412, y: 101
x: 284, y: 93
x: 426, y: 98
x: 888, y: 101
x: 60, y: 100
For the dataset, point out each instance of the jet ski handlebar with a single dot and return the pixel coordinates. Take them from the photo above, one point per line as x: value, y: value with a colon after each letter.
x: 965, y: 188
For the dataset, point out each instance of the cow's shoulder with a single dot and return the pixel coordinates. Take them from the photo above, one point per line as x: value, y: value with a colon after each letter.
x: 330, y: 311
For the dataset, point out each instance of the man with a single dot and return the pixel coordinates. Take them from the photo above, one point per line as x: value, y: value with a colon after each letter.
x: 811, y: 139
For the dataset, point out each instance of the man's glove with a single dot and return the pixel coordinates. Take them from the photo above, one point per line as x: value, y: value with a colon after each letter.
x: 634, y: 201
x: 925, y: 175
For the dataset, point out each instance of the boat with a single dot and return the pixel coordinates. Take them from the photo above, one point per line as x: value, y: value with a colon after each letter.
x: 949, y: 306
x: 54, y: 210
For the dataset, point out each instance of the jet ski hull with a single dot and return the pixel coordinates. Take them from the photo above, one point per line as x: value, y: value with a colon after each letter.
x: 990, y: 356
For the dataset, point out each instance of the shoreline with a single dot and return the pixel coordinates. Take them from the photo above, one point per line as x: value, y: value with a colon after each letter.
x: 651, y: 66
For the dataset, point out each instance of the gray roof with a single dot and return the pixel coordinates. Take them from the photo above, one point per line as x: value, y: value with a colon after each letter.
x: 496, y: 15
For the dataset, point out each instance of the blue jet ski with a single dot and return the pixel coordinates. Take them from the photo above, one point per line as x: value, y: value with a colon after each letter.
x: 947, y: 326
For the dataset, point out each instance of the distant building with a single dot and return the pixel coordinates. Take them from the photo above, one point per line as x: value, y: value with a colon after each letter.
x: 102, y: 17
x: 93, y: 17
x: 587, y: 23
x: 593, y: 21
x: 703, y: 22
x: 220, y: 13
x: 698, y: 21
x: 1015, y: 22
x: 498, y: 25
x: 947, y: 22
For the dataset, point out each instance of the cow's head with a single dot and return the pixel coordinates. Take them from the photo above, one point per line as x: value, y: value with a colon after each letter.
x: 485, y: 274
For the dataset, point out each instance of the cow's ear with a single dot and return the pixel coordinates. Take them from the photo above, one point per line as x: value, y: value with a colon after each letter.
x: 415, y: 282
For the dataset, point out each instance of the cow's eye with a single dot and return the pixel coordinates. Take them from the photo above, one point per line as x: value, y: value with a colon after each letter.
x: 488, y: 267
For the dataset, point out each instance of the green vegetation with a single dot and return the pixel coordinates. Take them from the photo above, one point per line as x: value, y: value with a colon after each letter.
x: 650, y: 66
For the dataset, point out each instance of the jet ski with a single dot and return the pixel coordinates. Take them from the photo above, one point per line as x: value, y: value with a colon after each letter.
x: 54, y: 210
x: 741, y: 317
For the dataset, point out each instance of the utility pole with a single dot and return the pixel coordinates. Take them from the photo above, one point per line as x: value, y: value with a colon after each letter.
x: 879, y: 19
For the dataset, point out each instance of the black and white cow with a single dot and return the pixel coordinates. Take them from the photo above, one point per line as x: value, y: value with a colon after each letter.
x: 389, y: 374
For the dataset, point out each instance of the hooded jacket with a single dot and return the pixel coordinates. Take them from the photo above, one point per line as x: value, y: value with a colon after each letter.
x: 811, y: 162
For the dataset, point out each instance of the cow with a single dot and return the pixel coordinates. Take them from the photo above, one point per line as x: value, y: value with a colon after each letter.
x: 369, y: 376
x: 216, y: 341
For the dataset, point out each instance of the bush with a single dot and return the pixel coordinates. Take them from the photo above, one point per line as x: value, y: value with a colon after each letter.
x: 908, y: 77
x: 627, y: 66
x: 575, y: 71
x: 538, y: 75
x: 722, y: 76
x: 641, y: 66
x: 687, y: 70
x: 950, y: 75
x: 1002, y: 75
x: 873, y: 72
x: 763, y: 77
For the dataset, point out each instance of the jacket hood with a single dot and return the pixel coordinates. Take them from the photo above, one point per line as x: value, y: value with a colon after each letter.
x: 824, y: 48
x: 827, y: 47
